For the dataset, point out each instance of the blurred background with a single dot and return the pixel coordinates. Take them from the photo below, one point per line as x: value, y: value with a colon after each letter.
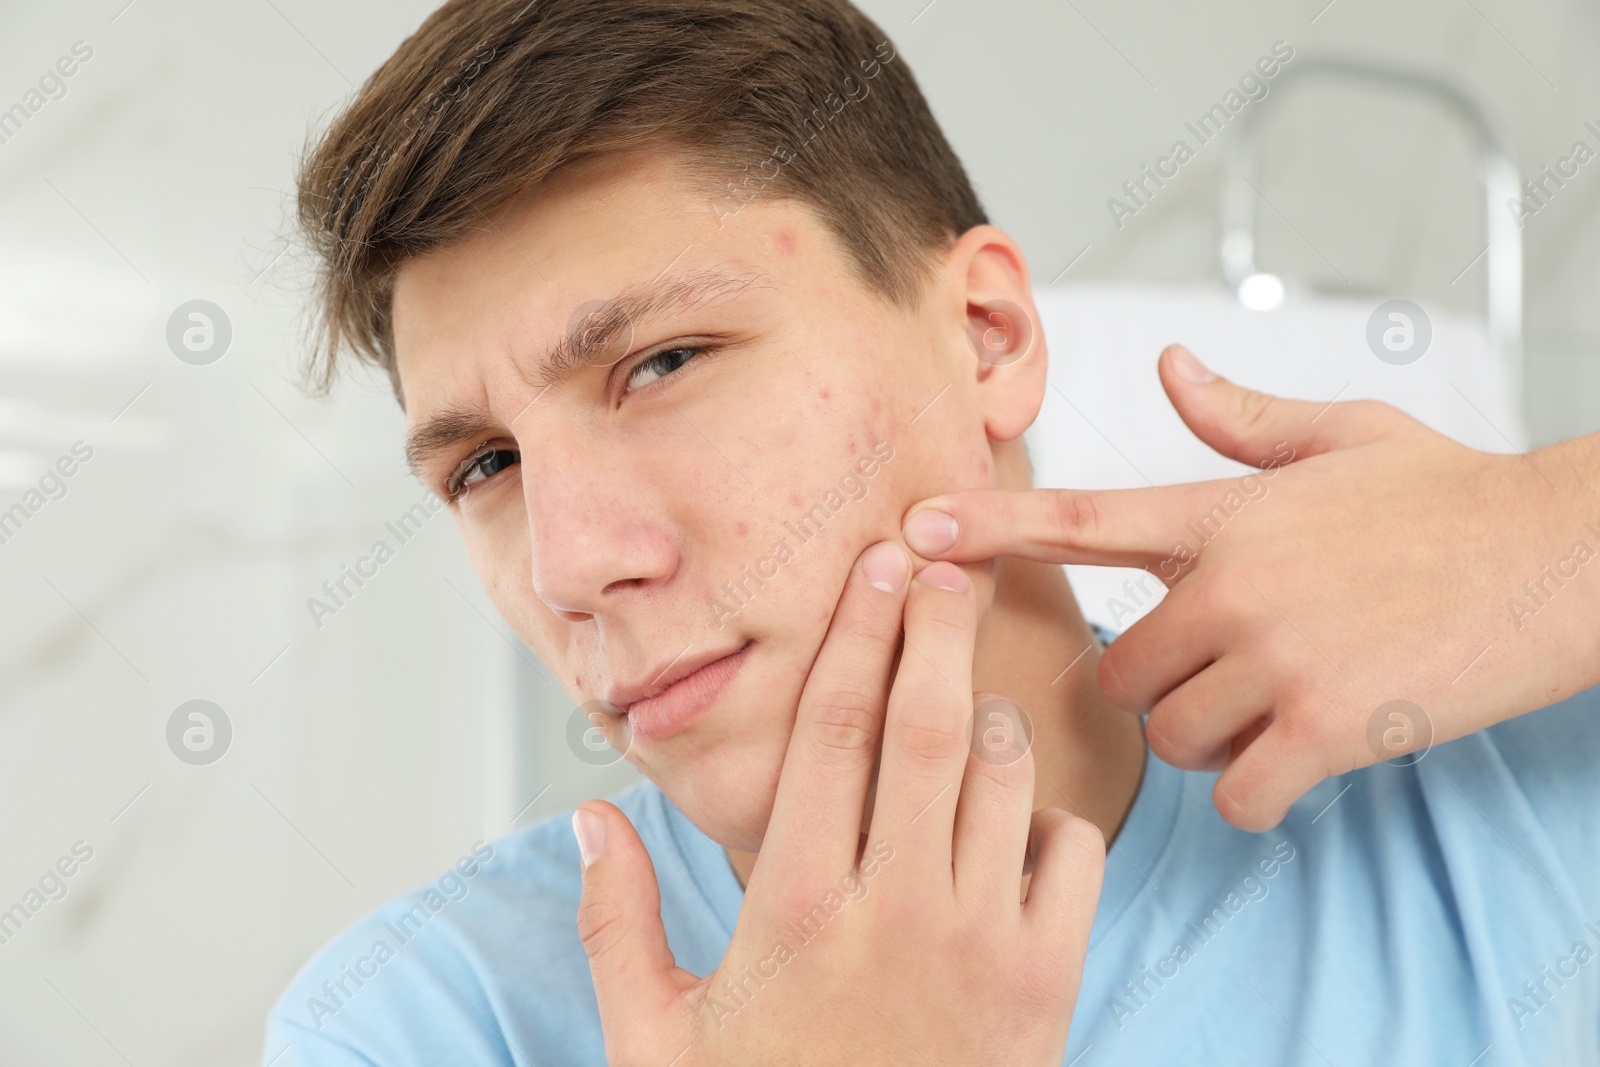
x: 181, y: 503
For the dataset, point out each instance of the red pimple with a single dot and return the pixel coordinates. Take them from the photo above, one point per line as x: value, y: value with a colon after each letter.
x: 785, y: 243
x: 743, y: 528
x: 794, y: 500
x: 823, y: 394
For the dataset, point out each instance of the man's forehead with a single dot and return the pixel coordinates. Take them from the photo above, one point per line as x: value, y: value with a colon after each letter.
x: 565, y: 279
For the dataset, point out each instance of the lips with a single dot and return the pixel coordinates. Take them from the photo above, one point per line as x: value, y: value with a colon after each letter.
x: 678, y: 694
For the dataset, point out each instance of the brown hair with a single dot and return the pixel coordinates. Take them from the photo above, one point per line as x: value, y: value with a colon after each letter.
x: 799, y: 99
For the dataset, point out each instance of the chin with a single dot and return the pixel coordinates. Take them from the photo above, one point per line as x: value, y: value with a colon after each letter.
x: 727, y: 795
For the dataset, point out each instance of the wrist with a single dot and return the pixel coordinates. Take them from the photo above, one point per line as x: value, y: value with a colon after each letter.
x: 1569, y: 476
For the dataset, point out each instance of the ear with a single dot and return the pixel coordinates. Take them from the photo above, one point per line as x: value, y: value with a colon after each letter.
x: 1005, y: 347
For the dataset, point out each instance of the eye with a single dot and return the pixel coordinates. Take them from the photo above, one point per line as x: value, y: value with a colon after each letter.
x: 660, y: 365
x: 479, y: 467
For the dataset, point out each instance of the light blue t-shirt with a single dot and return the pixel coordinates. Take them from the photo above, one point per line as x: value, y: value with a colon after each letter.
x: 1441, y: 913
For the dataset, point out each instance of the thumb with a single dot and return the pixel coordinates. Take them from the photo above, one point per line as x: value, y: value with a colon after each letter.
x: 1261, y: 429
x: 619, y: 921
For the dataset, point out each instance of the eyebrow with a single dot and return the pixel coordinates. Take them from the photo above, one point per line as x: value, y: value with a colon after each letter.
x: 590, y: 337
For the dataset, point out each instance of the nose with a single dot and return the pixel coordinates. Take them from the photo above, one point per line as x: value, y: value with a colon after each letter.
x: 598, y: 531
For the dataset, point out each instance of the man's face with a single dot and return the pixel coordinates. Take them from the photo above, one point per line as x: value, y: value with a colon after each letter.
x: 693, y: 494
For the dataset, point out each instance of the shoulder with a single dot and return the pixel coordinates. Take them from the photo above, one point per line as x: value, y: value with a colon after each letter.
x: 502, y: 917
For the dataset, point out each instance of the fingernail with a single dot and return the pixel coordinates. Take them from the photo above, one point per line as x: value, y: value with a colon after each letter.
x: 886, y: 566
x: 944, y: 576
x: 931, y: 532
x: 590, y: 830
x: 1188, y: 367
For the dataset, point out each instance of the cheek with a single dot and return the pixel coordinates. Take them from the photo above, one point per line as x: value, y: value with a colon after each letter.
x: 792, y: 563
x: 496, y: 560
x: 501, y: 557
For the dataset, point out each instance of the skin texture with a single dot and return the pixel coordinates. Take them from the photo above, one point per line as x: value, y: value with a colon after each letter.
x: 842, y: 748
x: 1384, y: 562
x: 608, y: 553
x: 608, y: 550
x: 991, y: 978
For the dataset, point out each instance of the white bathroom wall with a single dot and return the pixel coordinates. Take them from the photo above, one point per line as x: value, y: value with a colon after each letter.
x: 1054, y: 106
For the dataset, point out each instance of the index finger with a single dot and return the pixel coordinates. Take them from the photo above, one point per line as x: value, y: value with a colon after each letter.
x: 1105, y: 527
x: 815, y: 828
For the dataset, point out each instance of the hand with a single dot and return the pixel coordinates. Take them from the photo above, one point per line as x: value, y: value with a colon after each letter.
x: 911, y: 947
x: 1368, y: 560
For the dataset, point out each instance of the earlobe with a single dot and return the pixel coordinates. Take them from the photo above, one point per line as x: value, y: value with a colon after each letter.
x: 1011, y: 385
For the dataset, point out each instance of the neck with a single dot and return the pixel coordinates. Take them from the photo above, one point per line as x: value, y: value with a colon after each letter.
x: 1035, y: 649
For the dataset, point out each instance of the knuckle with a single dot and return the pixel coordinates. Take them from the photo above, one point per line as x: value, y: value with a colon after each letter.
x: 1045, y: 822
x: 1008, y: 768
x: 873, y: 637
x: 1082, y: 838
x: 1075, y: 513
x: 1376, y: 412
x: 1255, y: 409
x: 946, y: 622
x: 1213, y: 591
x: 600, y: 925
x: 1222, y: 594
x: 1075, y: 839
x: 804, y: 906
x: 844, y: 723
x: 1166, y: 738
x: 1275, y: 658
x: 930, y: 738
x: 1301, y: 724
x: 1370, y: 417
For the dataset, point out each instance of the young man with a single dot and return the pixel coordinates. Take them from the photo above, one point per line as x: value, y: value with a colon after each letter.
x: 688, y: 303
